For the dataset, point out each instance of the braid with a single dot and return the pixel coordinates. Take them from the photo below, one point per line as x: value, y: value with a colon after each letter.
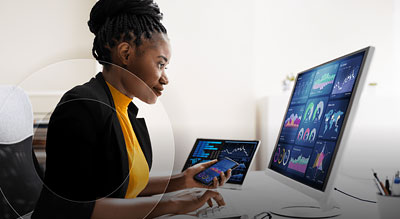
x: 114, y: 20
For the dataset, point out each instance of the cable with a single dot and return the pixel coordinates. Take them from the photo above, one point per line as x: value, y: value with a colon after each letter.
x: 263, y: 215
x: 364, y: 200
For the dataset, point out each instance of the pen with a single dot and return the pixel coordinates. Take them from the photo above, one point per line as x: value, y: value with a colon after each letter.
x: 381, y: 188
x: 387, y: 186
x: 396, y: 184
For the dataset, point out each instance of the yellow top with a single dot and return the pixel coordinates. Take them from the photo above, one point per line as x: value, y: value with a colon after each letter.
x: 139, y: 169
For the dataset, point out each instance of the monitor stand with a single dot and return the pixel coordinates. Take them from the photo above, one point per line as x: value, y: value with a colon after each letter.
x: 306, y: 210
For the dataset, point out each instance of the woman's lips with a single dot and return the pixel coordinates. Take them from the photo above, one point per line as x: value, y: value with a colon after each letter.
x: 157, y: 91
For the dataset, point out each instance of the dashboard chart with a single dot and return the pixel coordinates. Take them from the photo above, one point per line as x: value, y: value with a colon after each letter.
x: 320, y: 161
x: 282, y: 156
x: 314, y: 120
x: 241, y: 153
x: 346, y: 77
x: 303, y: 87
x: 209, y: 149
x: 323, y: 80
x: 204, y: 151
x: 299, y: 160
x: 333, y: 119
x: 291, y: 124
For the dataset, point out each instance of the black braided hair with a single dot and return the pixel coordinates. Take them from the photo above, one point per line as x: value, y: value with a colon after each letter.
x: 112, y: 21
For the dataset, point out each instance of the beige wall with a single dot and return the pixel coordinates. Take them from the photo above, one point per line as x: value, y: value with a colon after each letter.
x: 210, y: 94
x: 295, y: 35
x: 227, y: 54
x: 35, y: 34
x: 42, y: 46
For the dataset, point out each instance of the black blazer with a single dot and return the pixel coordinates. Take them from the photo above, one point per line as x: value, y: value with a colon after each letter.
x: 86, y: 152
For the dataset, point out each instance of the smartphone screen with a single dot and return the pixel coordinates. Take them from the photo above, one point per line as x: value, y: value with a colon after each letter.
x: 215, y: 170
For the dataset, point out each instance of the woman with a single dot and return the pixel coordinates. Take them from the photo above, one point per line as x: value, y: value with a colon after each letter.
x: 98, y: 152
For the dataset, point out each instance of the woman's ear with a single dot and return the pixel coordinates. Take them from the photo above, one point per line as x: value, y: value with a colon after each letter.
x: 124, y: 51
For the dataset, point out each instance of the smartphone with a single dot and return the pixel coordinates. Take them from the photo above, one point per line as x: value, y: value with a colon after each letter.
x: 206, y: 176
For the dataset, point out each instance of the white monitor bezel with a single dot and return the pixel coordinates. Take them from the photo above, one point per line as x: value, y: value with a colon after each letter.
x: 323, y: 196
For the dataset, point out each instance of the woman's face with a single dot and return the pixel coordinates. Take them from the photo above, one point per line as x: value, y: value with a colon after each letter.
x: 148, y: 62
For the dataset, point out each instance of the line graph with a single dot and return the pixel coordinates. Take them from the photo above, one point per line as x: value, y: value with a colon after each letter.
x: 299, y: 160
x: 236, y: 150
x: 299, y: 164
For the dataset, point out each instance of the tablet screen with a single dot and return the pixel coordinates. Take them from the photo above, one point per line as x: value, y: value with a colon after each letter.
x: 238, y: 150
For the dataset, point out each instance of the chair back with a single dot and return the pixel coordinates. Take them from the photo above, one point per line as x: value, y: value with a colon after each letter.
x: 20, y: 184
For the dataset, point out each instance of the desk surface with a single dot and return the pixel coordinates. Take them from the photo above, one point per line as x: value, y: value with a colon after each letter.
x: 262, y: 193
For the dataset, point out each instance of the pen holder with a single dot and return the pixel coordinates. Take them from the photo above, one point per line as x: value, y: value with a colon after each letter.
x: 389, y: 206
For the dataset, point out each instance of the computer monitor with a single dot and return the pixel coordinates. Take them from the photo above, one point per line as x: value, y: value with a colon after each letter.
x: 315, y: 130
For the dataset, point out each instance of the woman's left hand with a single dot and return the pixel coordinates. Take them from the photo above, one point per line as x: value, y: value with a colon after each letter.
x: 190, y: 182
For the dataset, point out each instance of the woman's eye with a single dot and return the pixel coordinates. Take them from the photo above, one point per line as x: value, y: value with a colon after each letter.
x: 161, y: 65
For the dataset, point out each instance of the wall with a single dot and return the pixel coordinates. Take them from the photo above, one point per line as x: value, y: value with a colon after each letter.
x: 224, y: 51
x: 292, y: 36
x: 39, y: 33
x: 210, y: 94
x: 227, y: 54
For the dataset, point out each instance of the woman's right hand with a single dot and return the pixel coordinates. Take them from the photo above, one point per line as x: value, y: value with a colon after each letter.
x: 189, y: 201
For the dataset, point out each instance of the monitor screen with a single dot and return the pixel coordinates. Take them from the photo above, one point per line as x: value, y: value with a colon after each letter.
x: 209, y: 149
x: 315, y: 119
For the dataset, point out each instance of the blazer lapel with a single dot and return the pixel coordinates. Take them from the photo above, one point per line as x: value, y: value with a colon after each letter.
x: 141, y: 132
x: 118, y: 133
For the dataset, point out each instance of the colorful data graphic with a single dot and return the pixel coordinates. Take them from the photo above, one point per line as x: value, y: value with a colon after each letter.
x: 315, y: 120
x: 320, y: 161
x: 333, y: 119
x: 204, y: 151
x: 215, y: 170
x: 303, y: 87
x: 299, y: 160
x: 307, y: 135
x: 346, y: 77
x: 293, y: 121
x: 314, y: 110
x: 323, y: 80
x: 207, y: 149
x: 282, y: 156
x: 311, y: 121
x: 241, y: 152
x: 291, y: 124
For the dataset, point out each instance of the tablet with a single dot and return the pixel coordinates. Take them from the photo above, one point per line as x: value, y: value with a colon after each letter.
x: 241, y: 151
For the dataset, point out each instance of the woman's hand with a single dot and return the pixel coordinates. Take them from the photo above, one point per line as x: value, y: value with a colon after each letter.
x: 189, y: 173
x: 189, y: 201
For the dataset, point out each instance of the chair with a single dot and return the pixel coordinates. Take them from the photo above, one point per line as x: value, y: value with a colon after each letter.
x: 20, y: 183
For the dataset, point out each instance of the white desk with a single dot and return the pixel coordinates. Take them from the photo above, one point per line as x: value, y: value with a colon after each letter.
x: 261, y: 193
